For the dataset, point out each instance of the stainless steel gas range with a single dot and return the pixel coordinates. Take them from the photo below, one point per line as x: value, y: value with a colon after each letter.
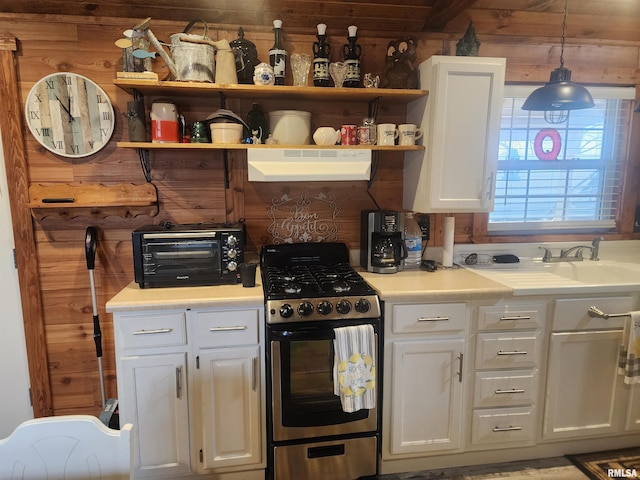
x: 310, y: 290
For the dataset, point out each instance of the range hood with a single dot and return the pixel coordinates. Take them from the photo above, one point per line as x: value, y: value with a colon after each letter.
x: 308, y: 164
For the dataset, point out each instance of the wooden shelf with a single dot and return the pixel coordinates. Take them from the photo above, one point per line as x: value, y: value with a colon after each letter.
x: 244, y: 146
x: 93, y: 200
x: 199, y: 89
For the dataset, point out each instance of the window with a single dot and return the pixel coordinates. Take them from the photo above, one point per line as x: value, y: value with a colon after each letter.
x: 561, y: 177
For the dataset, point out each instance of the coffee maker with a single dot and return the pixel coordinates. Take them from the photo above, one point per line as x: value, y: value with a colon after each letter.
x: 382, y: 241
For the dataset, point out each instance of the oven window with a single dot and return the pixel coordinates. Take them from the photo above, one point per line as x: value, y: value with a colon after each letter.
x: 311, y: 370
x: 307, y: 385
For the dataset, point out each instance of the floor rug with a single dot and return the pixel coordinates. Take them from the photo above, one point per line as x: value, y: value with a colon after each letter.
x: 557, y: 468
x: 623, y: 463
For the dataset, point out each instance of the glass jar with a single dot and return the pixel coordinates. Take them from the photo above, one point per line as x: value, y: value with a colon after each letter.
x: 367, y: 132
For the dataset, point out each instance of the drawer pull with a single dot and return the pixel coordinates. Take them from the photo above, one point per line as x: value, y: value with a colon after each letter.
x: 506, y: 429
x: 513, y: 352
x: 433, y: 319
x: 515, y: 317
x: 228, y: 329
x: 513, y: 390
x: 153, y: 332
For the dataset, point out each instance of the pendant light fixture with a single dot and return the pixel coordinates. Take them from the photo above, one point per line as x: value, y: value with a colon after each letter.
x: 560, y: 94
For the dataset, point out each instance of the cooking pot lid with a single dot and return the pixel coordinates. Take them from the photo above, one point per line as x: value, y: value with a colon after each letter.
x: 222, y: 115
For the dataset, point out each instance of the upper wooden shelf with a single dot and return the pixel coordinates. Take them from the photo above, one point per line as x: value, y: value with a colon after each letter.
x: 244, y: 146
x: 155, y: 87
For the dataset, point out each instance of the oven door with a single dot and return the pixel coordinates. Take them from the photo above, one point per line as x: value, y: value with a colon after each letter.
x: 302, y: 399
x: 181, y: 259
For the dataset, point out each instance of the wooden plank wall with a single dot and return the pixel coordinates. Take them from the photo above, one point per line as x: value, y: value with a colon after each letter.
x: 190, y: 184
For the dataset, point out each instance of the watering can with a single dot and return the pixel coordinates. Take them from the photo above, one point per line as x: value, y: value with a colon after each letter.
x: 195, y: 57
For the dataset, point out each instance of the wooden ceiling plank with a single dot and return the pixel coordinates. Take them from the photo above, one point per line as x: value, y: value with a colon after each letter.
x: 444, y: 11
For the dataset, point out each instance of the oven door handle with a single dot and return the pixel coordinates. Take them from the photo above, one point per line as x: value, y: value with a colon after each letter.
x: 299, y: 335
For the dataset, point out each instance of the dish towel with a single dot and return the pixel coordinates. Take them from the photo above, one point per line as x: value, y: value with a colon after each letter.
x: 629, y: 363
x: 354, y: 369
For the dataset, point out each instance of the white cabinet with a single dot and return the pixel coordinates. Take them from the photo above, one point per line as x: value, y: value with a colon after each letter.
x: 151, y: 366
x: 508, y: 345
x: 461, y: 120
x: 585, y: 395
x: 423, y: 379
x: 190, y: 381
x: 633, y: 411
x: 228, y: 372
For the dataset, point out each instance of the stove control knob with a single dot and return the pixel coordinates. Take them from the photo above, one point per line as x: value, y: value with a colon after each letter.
x: 231, y: 240
x: 304, y: 309
x: 363, y: 305
x: 343, y: 307
x: 231, y: 253
x: 324, y: 307
x: 286, y: 310
x: 232, y: 266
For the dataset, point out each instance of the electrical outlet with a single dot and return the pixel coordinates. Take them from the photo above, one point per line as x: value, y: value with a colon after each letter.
x: 424, y: 224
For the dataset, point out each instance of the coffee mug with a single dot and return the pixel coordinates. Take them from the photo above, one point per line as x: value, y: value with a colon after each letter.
x: 408, y: 134
x: 349, y: 134
x: 387, y: 134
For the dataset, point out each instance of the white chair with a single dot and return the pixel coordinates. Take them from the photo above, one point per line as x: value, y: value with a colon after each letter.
x: 66, y: 447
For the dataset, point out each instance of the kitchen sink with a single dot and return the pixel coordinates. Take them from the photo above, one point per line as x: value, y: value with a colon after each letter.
x: 596, y: 272
x: 538, y: 278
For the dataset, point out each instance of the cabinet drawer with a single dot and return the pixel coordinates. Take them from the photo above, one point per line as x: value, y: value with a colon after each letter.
x: 572, y: 313
x: 511, y: 317
x: 420, y: 318
x: 505, y: 389
x: 150, y: 330
x: 501, y: 350
x: 222, y: 328
x: 504, y: 425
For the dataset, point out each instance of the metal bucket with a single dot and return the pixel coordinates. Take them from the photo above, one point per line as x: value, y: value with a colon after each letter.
x: 193, y: 55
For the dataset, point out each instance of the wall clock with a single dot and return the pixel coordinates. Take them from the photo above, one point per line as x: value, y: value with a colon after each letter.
x: 69, y: 115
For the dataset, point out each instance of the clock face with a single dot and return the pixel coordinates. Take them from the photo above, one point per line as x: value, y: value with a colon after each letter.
x: 69, y: 115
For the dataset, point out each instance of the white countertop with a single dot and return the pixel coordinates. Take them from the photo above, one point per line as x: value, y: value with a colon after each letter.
x: 132, y: 297
x: 445, y: 284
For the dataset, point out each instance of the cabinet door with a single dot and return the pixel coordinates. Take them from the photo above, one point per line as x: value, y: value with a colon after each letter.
x: 585, y: 394
x: 456, y: 172
x: 154, y: 399
x: 633, y: 410
x: 229, y: 382
x: 426, y: 398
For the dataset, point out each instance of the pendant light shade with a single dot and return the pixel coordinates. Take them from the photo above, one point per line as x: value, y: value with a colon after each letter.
x: 560, y: 94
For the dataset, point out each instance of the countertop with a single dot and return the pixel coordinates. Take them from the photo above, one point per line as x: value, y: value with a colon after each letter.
x: 445, y: 284
x: 134, y: 298
x: 407, y: 286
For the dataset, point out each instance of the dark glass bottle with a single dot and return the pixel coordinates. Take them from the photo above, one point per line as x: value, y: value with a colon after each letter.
x: 258, y: 124
x: 278, y: 55
x: 321, y: 54
x: 351, y: 52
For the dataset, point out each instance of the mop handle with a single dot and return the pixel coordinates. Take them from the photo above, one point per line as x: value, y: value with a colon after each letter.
x: 90, y: 244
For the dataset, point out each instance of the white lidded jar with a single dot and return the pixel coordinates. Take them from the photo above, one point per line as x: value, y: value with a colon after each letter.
x: 412, y: 242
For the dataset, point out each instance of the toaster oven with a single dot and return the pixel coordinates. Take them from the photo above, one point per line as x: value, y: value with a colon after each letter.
x: 171, y: 255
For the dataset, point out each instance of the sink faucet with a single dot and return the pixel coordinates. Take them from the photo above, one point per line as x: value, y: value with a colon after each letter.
x: 578, y: 249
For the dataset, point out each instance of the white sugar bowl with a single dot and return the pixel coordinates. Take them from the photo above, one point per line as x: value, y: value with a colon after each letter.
x: 326, y: 136
x: 263, y: 74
